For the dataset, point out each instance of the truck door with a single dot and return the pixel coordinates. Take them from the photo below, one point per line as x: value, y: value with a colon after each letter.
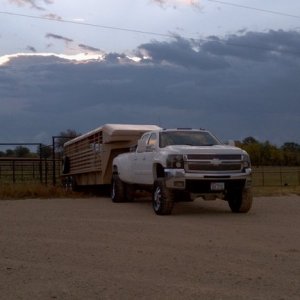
x: 144, y: 159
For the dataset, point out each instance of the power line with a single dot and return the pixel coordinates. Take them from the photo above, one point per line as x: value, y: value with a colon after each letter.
x: 256, y: 9
x: 142, y: 31
x: 148, y: 32
x: 87, y: 24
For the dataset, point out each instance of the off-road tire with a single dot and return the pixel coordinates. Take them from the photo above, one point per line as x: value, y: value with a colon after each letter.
x: 240, y: 201
x: 129, y: 192
x: 162, y: 198
x: 118, y: 189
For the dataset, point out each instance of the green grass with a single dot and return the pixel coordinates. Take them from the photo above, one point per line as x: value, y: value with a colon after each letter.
x: 273, y: 191
x: 276, y: 176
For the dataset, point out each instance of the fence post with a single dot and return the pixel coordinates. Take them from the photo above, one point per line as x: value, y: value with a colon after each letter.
x: 41, y: 164
x: 53, y: 162
x: 41, y: 170
x: 14, y: 171
x: 46, y: 171
x: 33, y: 171
x: 22, y: 171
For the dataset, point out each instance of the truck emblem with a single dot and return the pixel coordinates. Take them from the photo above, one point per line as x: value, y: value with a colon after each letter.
x: 216, y: 162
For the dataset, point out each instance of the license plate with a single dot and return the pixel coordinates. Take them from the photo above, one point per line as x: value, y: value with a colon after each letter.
x: 217, y: 186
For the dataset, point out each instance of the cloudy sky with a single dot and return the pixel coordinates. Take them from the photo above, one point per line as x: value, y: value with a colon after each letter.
x: 229, y: 66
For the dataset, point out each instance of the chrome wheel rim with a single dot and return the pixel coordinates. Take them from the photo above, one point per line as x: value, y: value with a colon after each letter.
x: 157, y: 199
x: 113, y: 190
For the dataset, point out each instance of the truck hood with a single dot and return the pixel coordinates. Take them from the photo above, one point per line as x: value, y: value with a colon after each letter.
x: 216, y: 149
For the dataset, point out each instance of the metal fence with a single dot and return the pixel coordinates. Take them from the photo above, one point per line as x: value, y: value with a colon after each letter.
x: 29, y: 170
x: 47, y: 171
x: 44, y: 168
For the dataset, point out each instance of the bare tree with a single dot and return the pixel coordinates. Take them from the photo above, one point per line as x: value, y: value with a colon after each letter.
x: 63, y: 137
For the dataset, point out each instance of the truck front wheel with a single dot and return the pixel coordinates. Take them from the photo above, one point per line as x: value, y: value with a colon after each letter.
x: 162, y: 198
x: 118, y: 189
x: 240, y: 201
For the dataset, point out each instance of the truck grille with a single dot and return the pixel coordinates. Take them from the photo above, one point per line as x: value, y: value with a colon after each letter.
x: 214, y: 156
x: 213, y: 162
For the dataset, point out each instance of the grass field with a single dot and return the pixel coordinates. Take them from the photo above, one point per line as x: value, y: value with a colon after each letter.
x: 275, y: 191
x: 276, y: 176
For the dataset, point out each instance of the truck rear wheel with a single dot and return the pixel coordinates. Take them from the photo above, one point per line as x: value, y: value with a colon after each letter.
x: 240, y: 201
x: 118, y: 189
x: 162, y: 198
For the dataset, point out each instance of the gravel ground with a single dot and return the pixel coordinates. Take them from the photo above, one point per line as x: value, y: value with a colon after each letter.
x: 94, y: 249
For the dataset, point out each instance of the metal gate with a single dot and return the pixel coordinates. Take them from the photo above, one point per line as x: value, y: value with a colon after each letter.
x: 29, y: 170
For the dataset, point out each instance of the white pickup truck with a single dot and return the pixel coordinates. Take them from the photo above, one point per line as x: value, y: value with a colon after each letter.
x: 181, y: 165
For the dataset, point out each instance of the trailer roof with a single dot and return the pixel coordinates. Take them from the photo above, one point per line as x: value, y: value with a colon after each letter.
x: 113, y: 131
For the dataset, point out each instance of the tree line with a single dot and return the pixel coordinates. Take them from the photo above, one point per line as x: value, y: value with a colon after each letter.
x: 42, y: 151
x: 261, y: 153
x: 268, y: 154
x: 19, y: 151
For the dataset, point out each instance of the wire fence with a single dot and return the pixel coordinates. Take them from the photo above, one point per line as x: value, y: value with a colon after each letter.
x: 276, y: 176
x: 48, y: 171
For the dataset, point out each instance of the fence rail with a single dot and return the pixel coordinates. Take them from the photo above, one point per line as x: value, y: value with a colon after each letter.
x: 47, y: 171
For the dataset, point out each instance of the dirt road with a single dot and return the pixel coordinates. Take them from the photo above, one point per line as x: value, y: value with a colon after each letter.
x: 94, y: 249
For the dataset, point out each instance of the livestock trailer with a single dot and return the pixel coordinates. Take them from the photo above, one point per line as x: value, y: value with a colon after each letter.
x: 88, y: 158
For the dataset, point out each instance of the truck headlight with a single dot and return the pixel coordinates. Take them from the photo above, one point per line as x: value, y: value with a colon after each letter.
x: 246, y: 161
x: 175, y: 161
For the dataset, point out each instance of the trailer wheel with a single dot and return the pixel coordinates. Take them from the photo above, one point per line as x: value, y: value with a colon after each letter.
x: 240, y: 201
x: 118, y: 189
x: 162, y: 198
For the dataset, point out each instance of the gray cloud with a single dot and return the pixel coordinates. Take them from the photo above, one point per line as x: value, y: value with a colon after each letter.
x: 175, y: 3
x: 33, y: 3
x: 89, y: 48
x: 182, y: 52
x: 31, y: 49
x: 254, y: 45
x: 185, y: 84
x: 116, y: 58
x: 58, y: 37
x: 53, y: 16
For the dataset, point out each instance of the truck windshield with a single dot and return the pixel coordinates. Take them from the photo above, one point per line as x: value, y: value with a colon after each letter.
x: 191, y: 138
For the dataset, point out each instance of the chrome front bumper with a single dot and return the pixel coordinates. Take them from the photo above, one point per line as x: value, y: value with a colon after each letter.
x: 176, y: 178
